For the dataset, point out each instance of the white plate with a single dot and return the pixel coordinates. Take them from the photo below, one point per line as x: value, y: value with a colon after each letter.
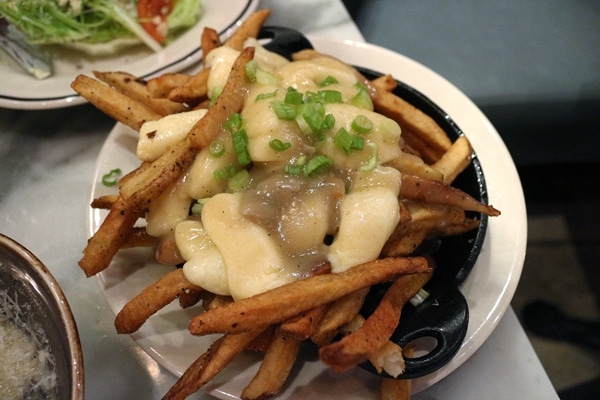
x: 488, y: 289
x: 19, y: 90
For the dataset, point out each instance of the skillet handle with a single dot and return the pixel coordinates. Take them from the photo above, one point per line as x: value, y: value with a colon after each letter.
x: 284, y: 41
x: 437, y: 327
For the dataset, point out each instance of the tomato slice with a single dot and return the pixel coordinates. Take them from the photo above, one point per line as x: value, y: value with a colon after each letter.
x: 153, y: 17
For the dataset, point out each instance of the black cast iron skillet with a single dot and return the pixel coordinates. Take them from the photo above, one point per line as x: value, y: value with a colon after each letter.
x: 441, y: 321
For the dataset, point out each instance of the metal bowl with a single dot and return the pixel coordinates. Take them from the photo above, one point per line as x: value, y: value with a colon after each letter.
x: 38, y: 301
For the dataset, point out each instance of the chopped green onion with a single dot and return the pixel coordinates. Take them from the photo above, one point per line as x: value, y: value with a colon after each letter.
x: 362, y: 124
x: 293, y: 170
x: 372, y: 163
x: 313, y: 117
x: 343, y: 140
x: 265, y: 78
x: 293, y: 96
x: 362, y: 99
x: 278, y: 145
x: 224, y: 173
x: 239, y: 181
x: 263, y: 96
x: 233, y: 123
x: 317, y: 165
x: 196, y: 208
x: 420, y: 297
x: 328, y: 121
x: 216, y: 148
x: 251, y: 67
x: 284, y: 111
x: 111, y: 178
x: 215, y: 94
x: 347, y: 142
x: 330, y: 96
x: 240, y: 146
x: 328, y: 80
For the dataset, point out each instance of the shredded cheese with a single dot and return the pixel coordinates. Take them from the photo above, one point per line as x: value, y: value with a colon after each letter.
x: 27, y: 369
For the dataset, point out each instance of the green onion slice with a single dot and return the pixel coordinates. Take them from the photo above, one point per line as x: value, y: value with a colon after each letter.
x: 239, y: 181
x: 293, y: 96
x: 251, y: 67
x: 284, y: 111
x: 240, y: 146
x: 317, y: 165
x: 225, y: 172
x: 233, y: 123
x: 216, y: 148
x: 112, y: 177
x: 372, y: 163
x: 328, y: 80
x: 278, y: 145
x: 362, y: 124
x: 263, y: 96
x: 330, y: 96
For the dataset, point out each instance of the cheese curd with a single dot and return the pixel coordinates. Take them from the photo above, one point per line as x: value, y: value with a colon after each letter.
x: 314, y: 188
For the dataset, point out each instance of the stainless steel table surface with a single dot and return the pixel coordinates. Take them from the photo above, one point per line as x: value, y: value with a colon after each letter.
x: 46, y: 164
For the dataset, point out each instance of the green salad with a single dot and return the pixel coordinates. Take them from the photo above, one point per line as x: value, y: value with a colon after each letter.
x: 87, y: 23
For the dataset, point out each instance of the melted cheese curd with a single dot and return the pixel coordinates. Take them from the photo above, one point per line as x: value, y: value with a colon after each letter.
x: 299, y: 180
x: 27, y: 370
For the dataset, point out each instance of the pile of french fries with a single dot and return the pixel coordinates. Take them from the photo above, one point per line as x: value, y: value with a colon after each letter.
x: 320, y: 308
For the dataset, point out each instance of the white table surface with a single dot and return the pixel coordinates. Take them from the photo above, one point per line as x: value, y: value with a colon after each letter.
x: 46, y: 165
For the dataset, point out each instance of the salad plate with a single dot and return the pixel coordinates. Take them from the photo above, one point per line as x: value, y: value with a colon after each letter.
x: 488, y: 288
x: 19, y: 90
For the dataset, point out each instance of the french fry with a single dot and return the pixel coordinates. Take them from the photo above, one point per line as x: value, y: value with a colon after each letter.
x: 137, y: 89
x: 339, y: 313
x: 194, y: 90
x: 286, y: 301
x: 209, y: 40
x: 356, y: 347
x: 275, y: 367
x: 133, y: 315
x: 411, y: 119
x: 209, y: 364
x: 104, y: 202
x: 115, y: 104
x: 396, y: 389
x: 249, y: 28
x: 109, y: 238
x: 416, y: 188
x: 159, y: 87
x: 138, y: 237
x: 303, y: 326
x: 455, y: 160
x: 414, y: 165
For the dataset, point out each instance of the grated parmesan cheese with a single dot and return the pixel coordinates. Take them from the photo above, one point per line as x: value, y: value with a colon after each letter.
x: 27, y: 370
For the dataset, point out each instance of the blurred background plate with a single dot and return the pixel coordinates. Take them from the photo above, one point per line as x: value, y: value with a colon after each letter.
x: 19, y: 90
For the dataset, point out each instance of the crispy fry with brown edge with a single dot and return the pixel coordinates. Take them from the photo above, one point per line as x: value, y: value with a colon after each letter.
x: 397, y: 389
x: 110, y: 237
x: 209, y: 40
x: 288, y: 300
x: 113, y: 103
x: 136, y: 88
x: 415, y: 188
x: 193, y: 90
x: 455, y: 160
x: 339, y: 313
x: 410, y: 118
x: 302, y: 326
x: 356, y: 347
x: 274, y: 368
x: 209, y: 364
x: 159, y: 87
x: 133, y: 314
x: 250, y: 28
